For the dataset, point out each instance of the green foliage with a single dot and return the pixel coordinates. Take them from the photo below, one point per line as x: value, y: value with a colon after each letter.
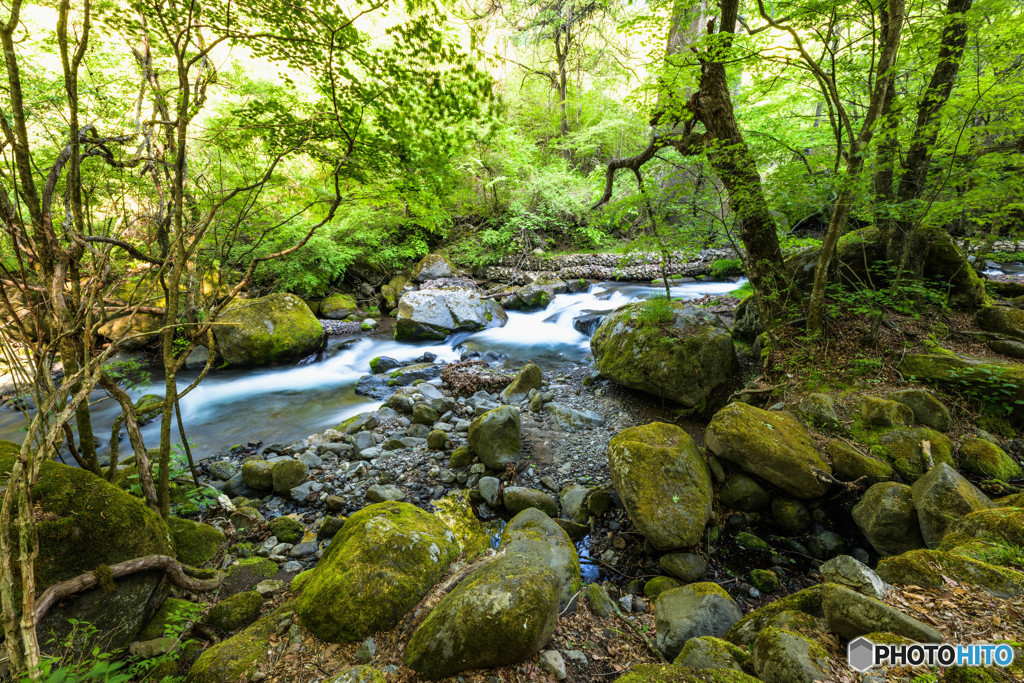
x: 905, y: 295
x: 987, y: 387
x: 726, y: 266
x: 657, y: 310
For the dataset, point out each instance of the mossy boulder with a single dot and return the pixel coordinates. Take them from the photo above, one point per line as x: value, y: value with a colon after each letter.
x: 771, y: 445
x: 674, y: 673
x: 530, y: 377
x: 1001, y: 320
x: 929, y: 569
x: 287, y: 529
x: 381, y: 563
x: 1005, y: 523
x: 658, y: 585
x: 699, y: 609
x: 360, y: 674
x: 882, y: 412
x: 533, y: 533
x: 819, y: 409
x: 985, y: 459
x: 502, y: 613
x: 888, y: 518
x: 195, y: 543
x: 905, y: 449
x: 235, y: 612
x: 85, y: 523
x: 708, y: 652
x: 782, y: 656
x: 519, y: 498
x: 287, y: 474
x: 850, y: 464
x: 169, y: 618
x: 663, y: 482
x: 437, y: 313
x: 258, y: 474
x: 338, y: 306
x: 852, y: 614
x: 132, y: 332
x: 496, y: 437
x: 432, y: 267
x: 806, y: 601
x: 682, y: 359
x: 598, y: 600
x: 928, y: 410
x: 273, y: 329
x: 942, y: 498
x: 247, y: 573
x: 238, y: 657
x: 983, y: 373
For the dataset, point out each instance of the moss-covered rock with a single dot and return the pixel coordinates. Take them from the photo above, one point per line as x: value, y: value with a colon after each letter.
x: 682, y: 360
x: 132, y: 332
x: 850, y: 464
x: 287, y: 474
x: 698, y: 609
x: 771, y: 445
x: 708, y: 652
x: 195, y: 543
x: 432, y: 267
x: 950, y: 369
x: 461, y: 457
x: 782, y: 656
x: 882, y: 412
x: 790, y: 516
x: 271, y: 329
x: 942, y: 498
x: 170, y: 618
x: 1001, y: 320
x: 382, y: 562
x: 338, y: 306
x: 533, y: 533
x: 904, y: 448
x: 1006, y: 523
x: 744, y: 631
x: 672, y: 673
x: 519, y: 498
x: 496, y: 437
x: 287, y: 529
x: 238, y: 657
x: 663, y: 482
x: 742, y: 492
x: 503, y: 613
x: 235, y: 612
x: 246, y: 517
x: 927, y: 568
x: 598, y: 600
x: 530, y: 377
x: 852, y: 614
x: 83, y: 524
x: 988, y: 460
x: 887, y: 517
x: 437, y: 313
x: 928, y: 410
x: 764, y: 580
x: 258, y: 474
x: 247, y: 573
x: 538, y: 294
x: 658, y: 585
x: 360, y: 674
x: 819, y: 409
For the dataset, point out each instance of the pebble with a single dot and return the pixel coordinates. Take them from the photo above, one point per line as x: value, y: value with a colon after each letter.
x: 552, y: 662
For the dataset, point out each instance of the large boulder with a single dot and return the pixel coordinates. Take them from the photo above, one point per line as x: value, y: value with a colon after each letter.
x: 538, y: 294
x: 504, y: 612
x: 782, y: 656
x: 663, y: 482
x: 682, y: 358
x: 1002, y: 320
x: 496, y: 437
x: 852, y: 614
x: 338, y: 306
x: 432, y: 267
x: 271, y: 329
x: 437, y: 313
x: 382, y: 562
x: 985, y: 459
x: 931, y: 568
x: 942, y: 498
x: 238, y: 657
x: 699, y: 609
x: 913, y: 450
x: 928, y: 410
x: 83, y: 524
x: 771, y: 445
x: 887, y: 517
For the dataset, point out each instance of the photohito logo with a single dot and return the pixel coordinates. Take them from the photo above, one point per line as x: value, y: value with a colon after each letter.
x: 864, y: 654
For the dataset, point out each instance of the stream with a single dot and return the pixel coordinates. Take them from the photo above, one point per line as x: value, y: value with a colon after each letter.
x: 285, y: 403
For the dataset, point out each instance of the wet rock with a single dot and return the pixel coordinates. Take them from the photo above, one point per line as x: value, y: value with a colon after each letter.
x: 928, y: 410
x: 771, y: 445
x: 529, y: 378
x: 942, y: 498
x: 437, y: 313
x: 381, y: 364
x: 306, y: 493
x: 267, y: 330
x: 684, y: 366
x: 887, y: 517
x: 489, y: 488
x: 663, y: 482
x: 700, y: 609
x: 496, y: 437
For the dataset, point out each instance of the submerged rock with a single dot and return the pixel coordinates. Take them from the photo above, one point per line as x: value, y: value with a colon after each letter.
x: 271, y: 329
x: 771, y: 445
x: 664, y: 483
x: 682, y: 359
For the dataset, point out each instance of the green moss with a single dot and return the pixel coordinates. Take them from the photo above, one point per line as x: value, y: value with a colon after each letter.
x: 235, y: 612
x: 764, y: 580
x: 746, y: 629
x: 385, y: 559
x: 597, y: 600
x: 672, y: 673
x: 171, y: 616
x: 195, y: 543
x: 238, y: 657
x: 1005, y: 523
x: 247, y: 573
x: 750, y: 541
x: 927, y: 568
x: 374, y: 364
x: 985, y: 459
x: 658, y: 585
x: 268, y: 330
x: 286, y: 529
x: 902, y: 448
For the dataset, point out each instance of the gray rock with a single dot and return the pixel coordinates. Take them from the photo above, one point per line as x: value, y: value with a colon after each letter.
x: 852, y: 614
x: 819, y: 409
x: 826, y: 544
x: 363, y: 440
x: 887, y: 517
x: 222, y: 470
x: 366, y: 650
x: 489, y: 487
x: 552, y: 662
x: 437, y: 313
x: 529, y: 378
x: 304, y: 549
x: 847, y: 571
x: 942, y: 498
x: 306, y: 493
x: 700, y: 609
x: 573, y: 499
x: 928, y: 410
x: 496, y: 437
x: 572, y: 420
x: 534, y: 533
x: 292, y: 567
x: 378, y: 493
x: 687, y: 567
x: 311, y: 460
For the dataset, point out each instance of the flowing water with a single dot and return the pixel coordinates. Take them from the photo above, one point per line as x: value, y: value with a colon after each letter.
x: 283, y: 404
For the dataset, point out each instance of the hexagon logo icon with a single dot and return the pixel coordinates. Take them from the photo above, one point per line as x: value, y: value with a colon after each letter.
x: 861, y: 654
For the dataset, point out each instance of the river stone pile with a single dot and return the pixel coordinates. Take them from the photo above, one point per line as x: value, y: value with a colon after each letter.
x: 640, y: 266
